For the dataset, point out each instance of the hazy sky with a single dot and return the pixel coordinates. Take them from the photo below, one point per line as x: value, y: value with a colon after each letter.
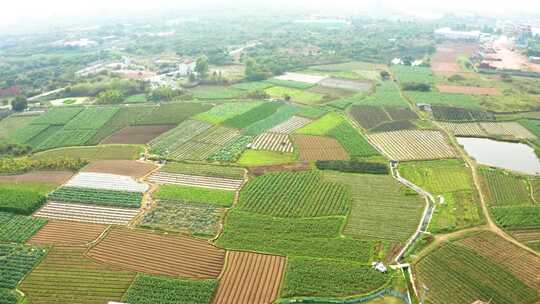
x: 30, y: 11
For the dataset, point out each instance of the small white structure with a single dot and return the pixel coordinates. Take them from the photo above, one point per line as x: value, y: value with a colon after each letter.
x: 448, y: 33
x: 84, y: 42
x: 379, y: 266
x: 186, y: 67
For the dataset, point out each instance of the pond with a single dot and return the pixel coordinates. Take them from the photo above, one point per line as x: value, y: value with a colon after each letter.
x: 512, y: 156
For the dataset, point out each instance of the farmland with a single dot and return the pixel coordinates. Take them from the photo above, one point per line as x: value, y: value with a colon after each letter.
x: 93, y: 153
x: 19, y: 199
x: 106, y: 181
x: 57, y: 116
x: 174, y: 138
x: 17, y: 261
x: 54, y: 233
x: 204, y: 170
x: 502, y: 188
x: 91, y: 118
x: 132, y: 168
x: 195, y: 181
x: 159, y: 255
x: 319, y: 148
x: 231, y: 151
x: 66, y: 273
x: 190, y: 194
x: 226, y: 111
x: 272, y: 142
x: 107, y: 198
x: 18, y: 228
x: 253, y: 116
x: 205, y: 144
x: 296, y: 95
x: 291, y: 125
x: 260, y: 158
x: 86, y: 213
x: 211, y: 93
x: 438, y: 176
x: 125, y: 117
x: 413, y: 74
x: 444, y: 99
x: 386, y: 94
x: 281, y: 116
x: 445, y: 113
x: 136, y: 134
x: 172, y: 113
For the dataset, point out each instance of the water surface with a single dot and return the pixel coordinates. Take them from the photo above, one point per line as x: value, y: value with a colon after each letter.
x: 513, y: 156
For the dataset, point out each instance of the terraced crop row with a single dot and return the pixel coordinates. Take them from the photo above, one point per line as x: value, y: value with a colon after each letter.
x: 272, y: 142
x: 294, y: 194
x: 205, y: 144
x: 291, y: 125
x: 196, y: 181
x: 87, y: 213
x: 174, y: 138
x: 502, y: 188
x: 97, y: 197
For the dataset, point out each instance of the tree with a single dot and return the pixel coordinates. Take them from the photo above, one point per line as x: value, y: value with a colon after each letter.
x: 385, y: 75
x: 110, y: 97
x: 254, y: 72
x: 19, y: 103
x: 201, y: 67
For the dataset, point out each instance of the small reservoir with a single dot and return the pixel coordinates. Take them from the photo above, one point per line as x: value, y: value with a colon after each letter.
x: 507, y: 155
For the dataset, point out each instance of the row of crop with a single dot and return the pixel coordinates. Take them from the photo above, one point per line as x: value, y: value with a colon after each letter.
x: 91, y: 118
x: 281, y: 115
x: 204, y: 170
x: 352, y: 166
x: 97, y: 197
x: 294, y: 194
x: 21, y: 165
x: 254, y: 115
x: 231, y: 151
x: 16, y: 262
x: 446, y: 113
x: 173, y: 138
x: 19, y: 200
x: 18, y: 228
x: 503, y: 188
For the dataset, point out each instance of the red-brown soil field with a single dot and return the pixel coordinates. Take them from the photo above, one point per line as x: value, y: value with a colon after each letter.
x: 67, y: 233
x: 131, y: 168
x: 137, y: 134
x: 49, y: 177
x: 152, y: 253
x: 250, y: 278
x: 469, y: 90
x: 319, y: 148
x: 444, y: 62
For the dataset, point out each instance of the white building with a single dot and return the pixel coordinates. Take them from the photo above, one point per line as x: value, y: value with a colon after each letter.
x: 448, y: 33
x: 186, y: 67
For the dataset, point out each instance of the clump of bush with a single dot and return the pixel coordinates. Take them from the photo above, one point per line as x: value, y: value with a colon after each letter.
x: 352, y: 166
x: 20, y: 201
x: 415, y: 86
x: 20, y: 165
x: 12, y: 149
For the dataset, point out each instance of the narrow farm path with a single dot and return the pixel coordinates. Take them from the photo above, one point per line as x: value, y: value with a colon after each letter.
x: 148, y: 199
x: 476, y: 179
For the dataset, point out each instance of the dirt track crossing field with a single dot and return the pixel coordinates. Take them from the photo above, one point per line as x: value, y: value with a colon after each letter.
x: 250, y: 278
x: 196, y: 181
x: 152, y: 253
x: 319, y: 148
x: 131, y: 168
x: 273, y: 142
x: 469, y: 90
x: 137, y: 134
x: 65, y: 233
x: 87, y: 213
x: 50, y: 177
x: 294, y: 123
x: 413, y: 145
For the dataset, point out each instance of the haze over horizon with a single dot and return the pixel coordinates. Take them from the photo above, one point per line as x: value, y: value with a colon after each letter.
x: 26, y: 12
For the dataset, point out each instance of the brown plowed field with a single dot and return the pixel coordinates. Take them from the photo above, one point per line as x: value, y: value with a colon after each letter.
x: 131, y: 168
x: 469, y: 90
x: 50, y: 177
x: 152, y: 253
x: 523, y: 264
x: 319, y: 148
x: 444, y: 62
x: 67, y: 233
x: 137, y: 134
x: 250, y: 278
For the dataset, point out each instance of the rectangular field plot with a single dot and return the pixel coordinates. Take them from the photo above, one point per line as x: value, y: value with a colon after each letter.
x: 380, y: 207
x: 174, y: 138
x: 87, y: 213
x: 250, y: 278
x: 16, y: 262
x: 313, y: 148
x: 97, y: 197
x: 469, y: 90
x: 346, y: 84
x: 529, y: 237
x: 137, y: 134
x: 205, y: 144
x: 294, y: 194
x: 67, y: 274
x: 457, y: 275
x: 132, y: 168
x: 272, y: 142
x: 438, y: 176
x: 443, y: 113
x: 18, y: 228
x: 204, y: 170
x: 312, y: 79
x: 406, y: 145
x: 196, y: 181
x: 502, y: 188
x: 106, y: 181
x: 178, y: 217
x: 65, y: 233
x: 291, y: 125
x: 156, y: 254
x: 464, y: 129
x: 511, y: 129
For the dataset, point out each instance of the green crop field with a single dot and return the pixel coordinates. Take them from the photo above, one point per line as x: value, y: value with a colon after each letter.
x: 26, y: 133
x: 502, y: 188
x: 16, y: 262
x: 91, y: 118
x: 461, y: 209
x: 125, y: 116
x: 204, y: 170
x: 444, y: 99
x: 104, y: 152
x: 232, y: 150
x: 12, y: 124
x: 139, y: 98
x: 67, y: 274
x: 381, y: 208
x: 252, y: 86
x: 323, y: 125
x: 386, y: 94
x: 44, y: 135
x: 57, y: 116
x: 19, y: 199
x: 97, y: 197
x: 407, y: 74
x: 457, y: 275
x: 66, y: 138
x: 174, y: 138
x: 516, y: 216
x: 281, y: 115
x: 252, y: 158
x: 172, y: 113
x: 8, y: 296
x: 226, y: 111
x: 316, y: 277
x: 352, y: 141
x: 438, y: 176
x: 290, y: 84
x: 200, y: 195
x: 296, y: 95
x: 294, y: 194
x: 181, y: 217
x: 253, y: 116
x: 312, y: 112
x: 152, y: 289
x: 211, y: 93
x: 18, y: 228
